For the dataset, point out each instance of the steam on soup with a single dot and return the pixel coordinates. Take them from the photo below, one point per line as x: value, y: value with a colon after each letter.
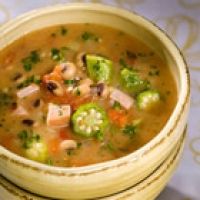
x: 80, y: 94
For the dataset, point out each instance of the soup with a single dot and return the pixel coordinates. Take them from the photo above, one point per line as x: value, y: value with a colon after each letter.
x: 79, y: 94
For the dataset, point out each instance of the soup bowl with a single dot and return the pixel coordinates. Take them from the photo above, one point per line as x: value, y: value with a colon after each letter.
x: 109, y: 177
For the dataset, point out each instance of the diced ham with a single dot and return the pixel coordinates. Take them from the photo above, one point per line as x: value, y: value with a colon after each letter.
x: 125, y: 100
x: 28, y: 91
x: 20, y: 111
x: 58, y: 115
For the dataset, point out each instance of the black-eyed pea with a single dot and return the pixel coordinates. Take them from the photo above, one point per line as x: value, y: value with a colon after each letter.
x: 68, y: 70
x: 68, y: 145
x: 55, y: 87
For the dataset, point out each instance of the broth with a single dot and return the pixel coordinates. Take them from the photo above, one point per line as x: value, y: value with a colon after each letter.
x: 80, y: 94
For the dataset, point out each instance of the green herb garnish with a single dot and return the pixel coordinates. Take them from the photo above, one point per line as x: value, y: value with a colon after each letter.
x: 28, y: 81
x: 69, y: 82
x: 89, y: 36
x: 28, y: 138
x: 31, y: 60
x: 123, y: 63
x: 78, y: 92
x: 63, y: 31
x: 116, y: 105
x: 129, y: 130
x: 59, y: 54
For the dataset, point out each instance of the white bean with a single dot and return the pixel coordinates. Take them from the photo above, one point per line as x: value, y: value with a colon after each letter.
x: 68, y: 70
x: 68, y: 144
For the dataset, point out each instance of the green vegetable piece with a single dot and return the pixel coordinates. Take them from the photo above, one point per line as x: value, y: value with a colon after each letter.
x: 131, y: 129
x: 148, y: 99
x: 132, y: 82
x: 89, y: 36
x: 34, y: 147
x: 28, y: 81
x: 37, y: 151
x: 90, y: 120
x: 31, y: 60
x: 99, y: 68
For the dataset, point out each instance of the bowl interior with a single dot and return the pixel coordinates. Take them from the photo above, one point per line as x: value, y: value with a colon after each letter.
x: 130, y: 23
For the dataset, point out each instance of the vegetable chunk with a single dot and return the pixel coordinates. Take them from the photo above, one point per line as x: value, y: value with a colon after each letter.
x: 34, y: 147
x: 132, y: 82
x: 99, y: 68
x: 58, y: 115
x: 148, y: 99
x: 89, y: 120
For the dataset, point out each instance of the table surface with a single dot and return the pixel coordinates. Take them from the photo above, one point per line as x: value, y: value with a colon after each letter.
x: 181, y: 20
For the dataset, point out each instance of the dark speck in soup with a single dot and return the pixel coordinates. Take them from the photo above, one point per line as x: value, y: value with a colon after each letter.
x: 113, y: 97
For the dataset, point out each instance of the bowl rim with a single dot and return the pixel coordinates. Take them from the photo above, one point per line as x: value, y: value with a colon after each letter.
x: 172, y: 159
x: 171, y: 123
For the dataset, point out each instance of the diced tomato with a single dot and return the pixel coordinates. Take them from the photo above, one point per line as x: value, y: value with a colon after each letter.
x: 65, y: 134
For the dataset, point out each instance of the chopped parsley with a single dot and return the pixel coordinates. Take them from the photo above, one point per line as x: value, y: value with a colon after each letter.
x: 49, y: 162
x: 116, y: 105
x: 99, y: 135
x: 70, y: 82
x: 89, y: 36
x: 63, y: 31
x: 78, y: 92
x: 5, y: 99
x: 31, y: 60
x: 129, y: 129
x: 28, y: 138
x: 28, y: 81
x: 58, y: 54
x: 123, y: 63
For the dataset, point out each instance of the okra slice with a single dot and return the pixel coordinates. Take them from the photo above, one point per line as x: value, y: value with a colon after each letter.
x: 131, y: 81
x: 148, y: 99
x: 99, y: 68
x: 37, y: 151
x: 33, y: 146
x: 89, y: 120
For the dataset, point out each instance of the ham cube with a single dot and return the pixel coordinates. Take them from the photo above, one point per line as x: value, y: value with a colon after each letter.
x: 58, y: 115
x: 28, y: 91
x: 125, y: 100
x: 20, y: 111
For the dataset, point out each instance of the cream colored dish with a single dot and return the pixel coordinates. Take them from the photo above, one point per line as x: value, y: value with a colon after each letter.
x: 117, y: 175
x: 148, y: 189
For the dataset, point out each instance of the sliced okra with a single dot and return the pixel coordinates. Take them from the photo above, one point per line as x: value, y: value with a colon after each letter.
x: 89, y: 120
x: 148, y: 99
x: 99, y: 68
x: 131, y: 81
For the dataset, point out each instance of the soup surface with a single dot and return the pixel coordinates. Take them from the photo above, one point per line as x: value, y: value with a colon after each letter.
x: 80, y: 94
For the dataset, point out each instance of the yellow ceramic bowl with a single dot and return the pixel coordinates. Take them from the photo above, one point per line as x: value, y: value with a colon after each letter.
x: 113, y: 176
x: 147, y: 189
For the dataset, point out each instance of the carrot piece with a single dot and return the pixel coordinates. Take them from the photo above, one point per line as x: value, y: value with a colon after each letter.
x: 118, y: 117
